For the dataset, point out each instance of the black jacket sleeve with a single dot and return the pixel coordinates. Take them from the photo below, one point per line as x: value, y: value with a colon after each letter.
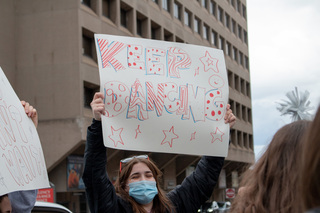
x: 197, y: 188
x: 100, y: 192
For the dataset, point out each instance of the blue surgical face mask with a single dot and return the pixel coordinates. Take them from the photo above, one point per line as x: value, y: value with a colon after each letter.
x: 143, y: 191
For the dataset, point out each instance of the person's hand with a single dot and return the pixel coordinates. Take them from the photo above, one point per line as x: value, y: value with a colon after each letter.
x: 31, y: 112
x: 229, y: 117
x: 97, y: 106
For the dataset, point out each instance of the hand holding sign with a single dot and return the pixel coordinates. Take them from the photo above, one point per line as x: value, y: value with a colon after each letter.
x: 21, y: 159
x: 31, y: 112
x: 97, y: 106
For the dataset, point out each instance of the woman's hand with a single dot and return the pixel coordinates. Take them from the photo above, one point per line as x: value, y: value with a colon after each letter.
x: 31, y: 112
x: 97, y: 106
x: 229, y: 117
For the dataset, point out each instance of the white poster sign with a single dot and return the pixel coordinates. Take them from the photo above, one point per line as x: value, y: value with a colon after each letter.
x: 21, y: 158
x: 163, y: 96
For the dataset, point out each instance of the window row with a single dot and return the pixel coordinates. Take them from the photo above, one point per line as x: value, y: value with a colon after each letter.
x: 109, y: 10
x: 241, y: 112
x: 239, y: 84
x: 230, y: 50
x: 232, y: 25
x: 210, y: 5
x: 238, y: 6
x: 217, y: 12
x: 241, y: 139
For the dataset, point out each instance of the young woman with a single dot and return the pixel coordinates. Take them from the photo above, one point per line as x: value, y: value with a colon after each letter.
x: 137, y: 189
x: 271, y: 185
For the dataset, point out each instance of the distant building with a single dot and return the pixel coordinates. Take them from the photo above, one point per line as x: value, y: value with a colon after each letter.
x: 47, y: 51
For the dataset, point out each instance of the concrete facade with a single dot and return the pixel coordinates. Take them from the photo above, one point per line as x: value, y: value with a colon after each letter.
x: 47, y: 53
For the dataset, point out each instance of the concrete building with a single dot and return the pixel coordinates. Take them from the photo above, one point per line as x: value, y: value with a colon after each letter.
x: 47, y: 52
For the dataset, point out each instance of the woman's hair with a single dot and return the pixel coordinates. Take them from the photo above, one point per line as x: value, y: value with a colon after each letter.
x: 271, y: 185
x: 310, y: 166
x: 161, y: 203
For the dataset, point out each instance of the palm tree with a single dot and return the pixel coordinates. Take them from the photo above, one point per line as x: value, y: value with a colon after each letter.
x: 297, y: 106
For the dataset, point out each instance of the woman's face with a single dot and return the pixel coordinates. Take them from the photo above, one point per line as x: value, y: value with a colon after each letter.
x: 139, y: 172
x: 5, y: 205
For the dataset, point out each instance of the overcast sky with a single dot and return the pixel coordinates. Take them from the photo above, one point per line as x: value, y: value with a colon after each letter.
x: 284, y: 51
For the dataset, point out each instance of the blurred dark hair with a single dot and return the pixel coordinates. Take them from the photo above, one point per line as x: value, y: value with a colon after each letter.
x: 310, y: 166
x: 270, y: 185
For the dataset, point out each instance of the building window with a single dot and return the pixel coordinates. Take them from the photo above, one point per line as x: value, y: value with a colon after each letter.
x: 155, y: 31
x: 91, y: 4
x: 205, y: 32
x: 235, y: 54
x: 168, y: 36
x: 245, y: 136
x: 142, y: 24
x: 88, y: 45
x: 214, y: 38
x: 89, y: 90
x: 221, y: 43
x: 212, y: 8
x: 240, y: 58
x: 187, y: 18
x: 228, y: 48
x: 236, y: 83
x: 166, y: 5
x: 179, y: 40
x: 233, y: 137
x: 250, y: 138
x: 244, y: 11
x: 220, y: 14
x: 204, y: 3
x: 240, y: 32
x: 227, y: 20
x: 239, y: 6
x: 244, y: 113
x: 230, y: 79
x: 155, y: 1
x: 243, y: 87
x: 139, y: 27
x: 196, y: 24
x: 248, y: 89
x: 233, y: 3
x: 124, y: 18
x: 233, y: 26
x: 177, y: 10
x: 239, y: 133
x: 108, y: 9
x: 245, y: 36
x: 86, y: 2
x: 246, y: 62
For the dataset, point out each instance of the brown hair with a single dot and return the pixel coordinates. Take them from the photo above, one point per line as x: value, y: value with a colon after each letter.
x: 271, y: 185
x: 310, y: 169
x: 161, y: 203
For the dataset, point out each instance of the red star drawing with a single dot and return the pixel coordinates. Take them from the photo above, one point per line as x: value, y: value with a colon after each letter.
x: 169, y: 136
x: 116, y: 136
x: 193, y: 136
x: 217, y: 135
x: 137, y: 131
x: 209, y: 63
